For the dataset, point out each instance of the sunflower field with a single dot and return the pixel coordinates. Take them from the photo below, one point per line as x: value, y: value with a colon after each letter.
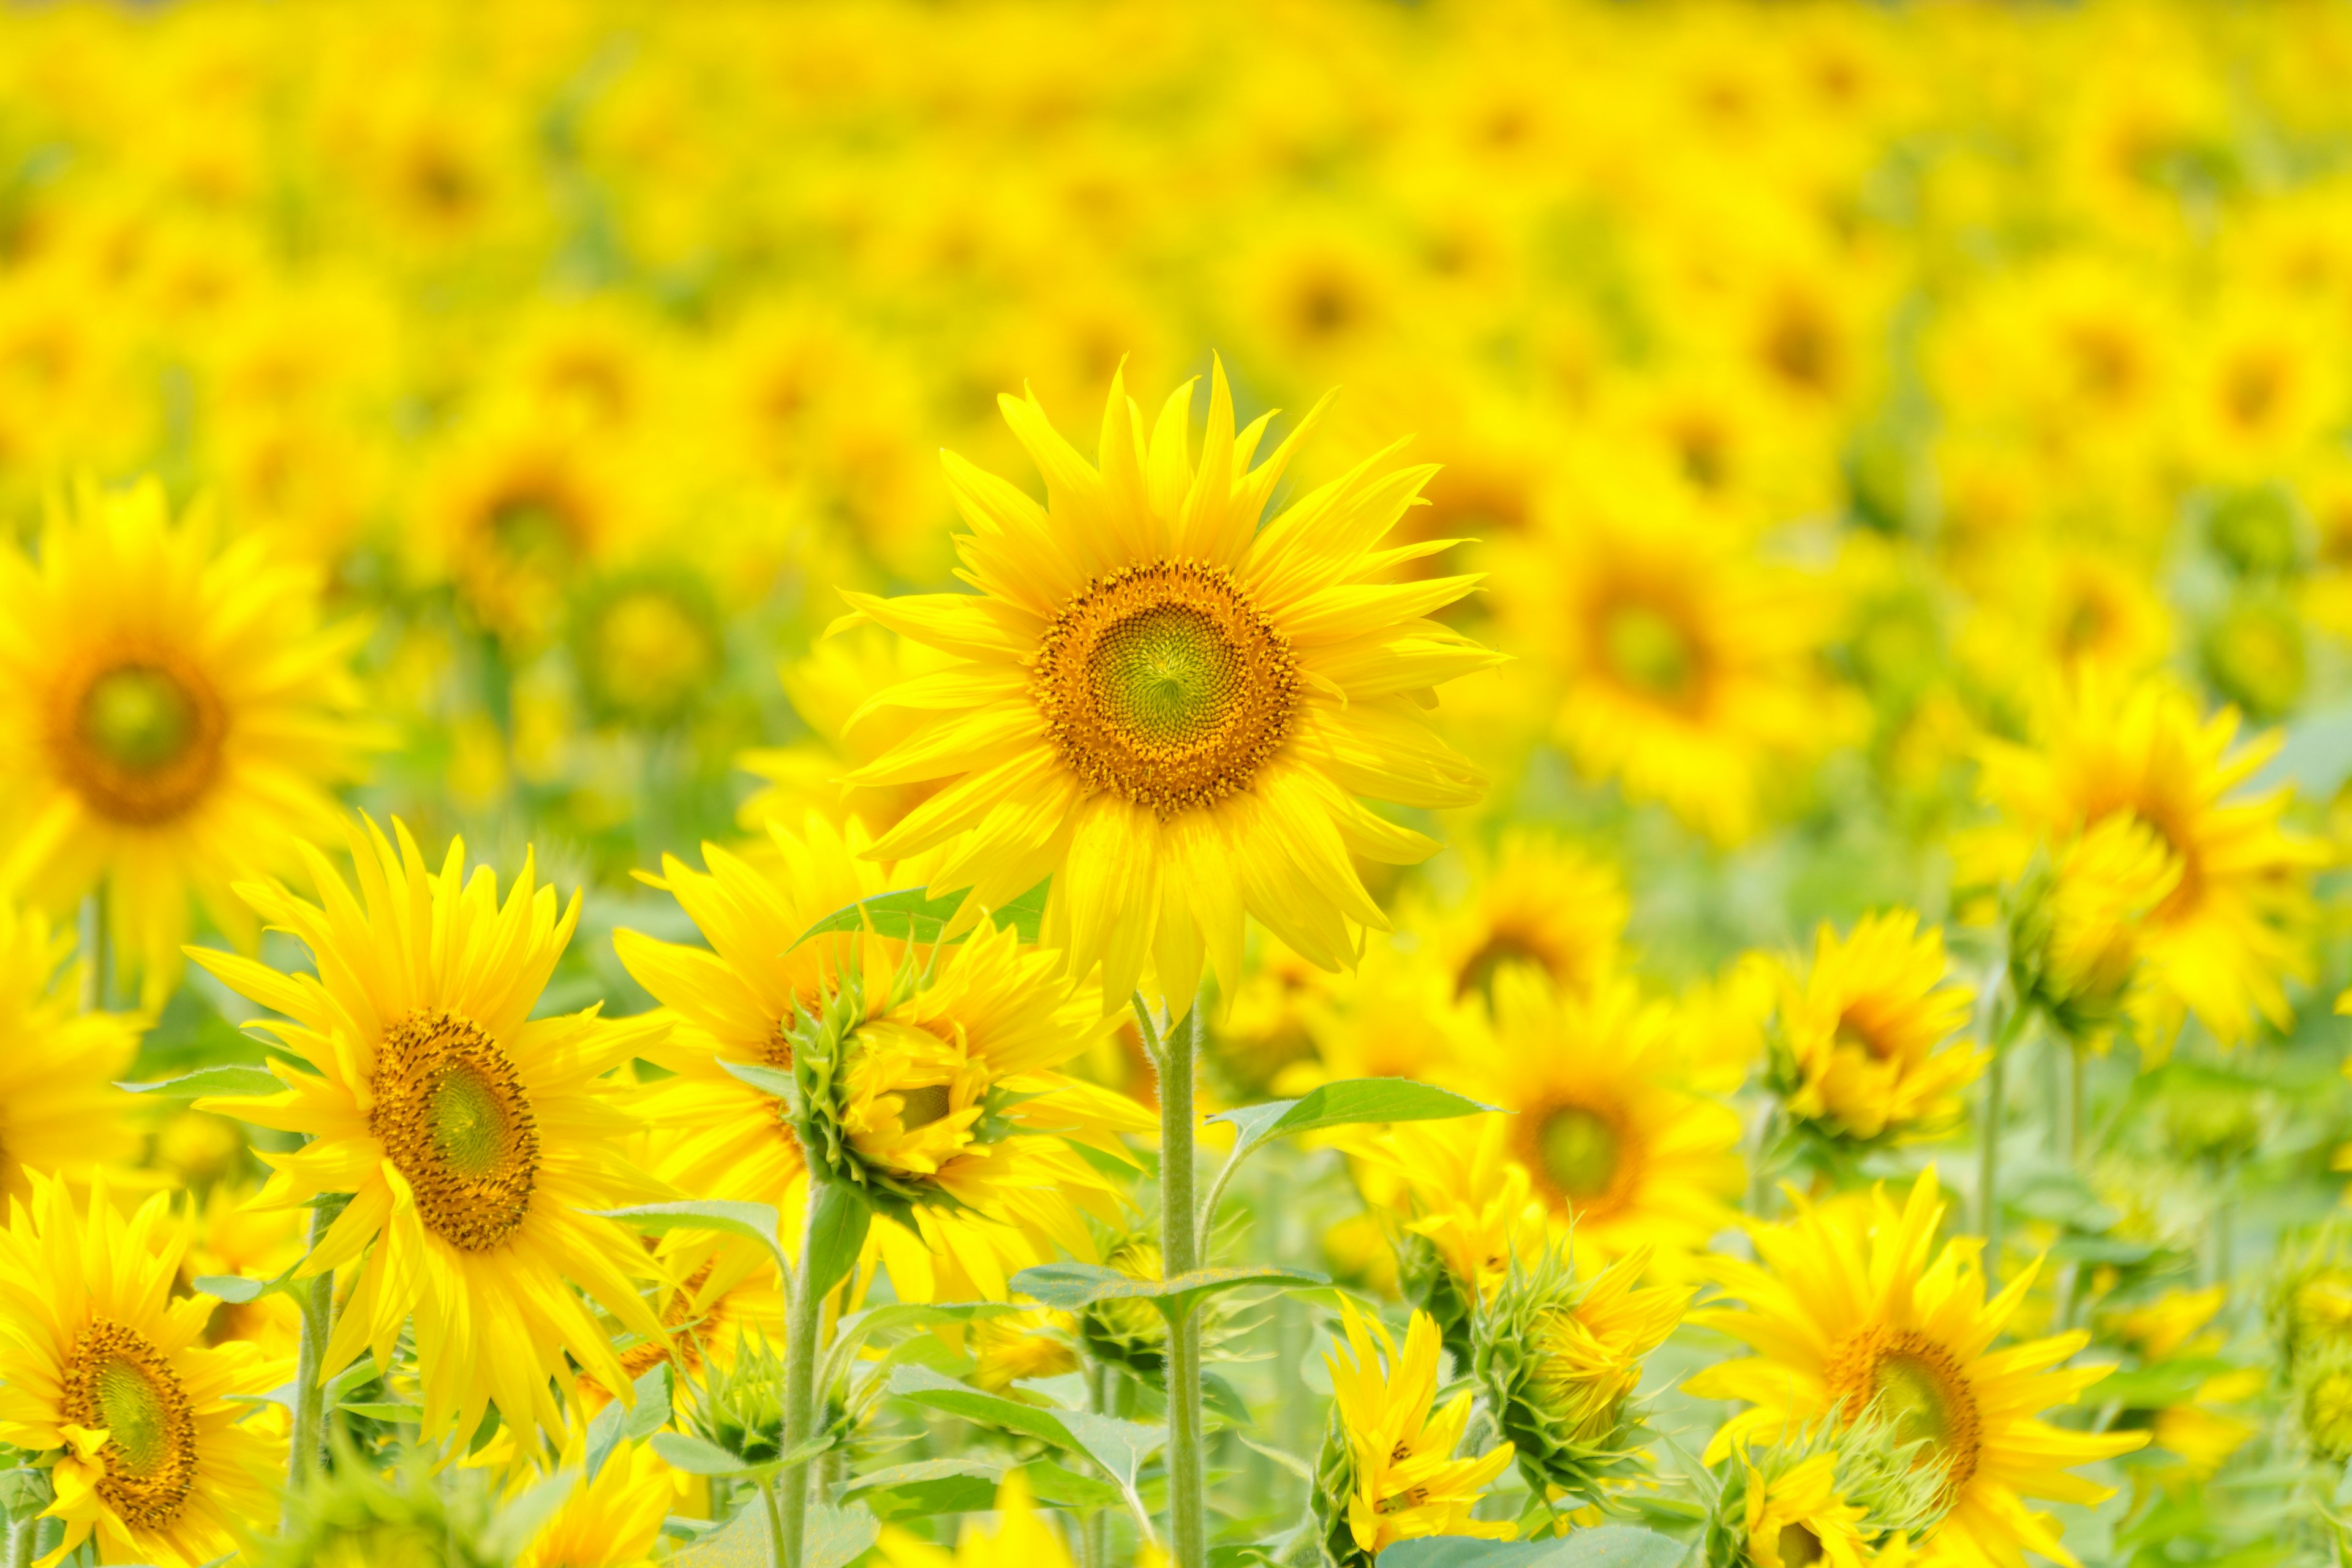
x: 1498, y: 784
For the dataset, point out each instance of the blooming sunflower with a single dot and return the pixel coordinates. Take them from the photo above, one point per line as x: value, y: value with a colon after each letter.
x: 176, y: 713
x: 1614, y: 1146
x: 103, y: 1373
x: 1866, y: 1032
x: 1846, y: 1311
x: 1387, y: 1471
x: 610, y: 1521
x: 1535, y: 900
x: 470, y: 1136
x: 2235, y: 925
x: 1169, y: 709
x: 59, y: 1110
x: 923, y: 1073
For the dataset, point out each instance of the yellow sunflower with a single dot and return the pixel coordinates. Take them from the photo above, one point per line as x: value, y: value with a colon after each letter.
x: 1867, y: 1032
x: 471, y: 1137
x: 1387, y: 1470
x: 1613, y: 1143
x: 1798, y: 1517
x: 1169, y: 709
x: 59, y: 1111
x: 177, y: 713
x: 1689, y: 670
x: 1535, y: 900
x: 613, y: 1520
x: 1847, y: 1313
x: 103, y: 1374
x: 2236, y: 924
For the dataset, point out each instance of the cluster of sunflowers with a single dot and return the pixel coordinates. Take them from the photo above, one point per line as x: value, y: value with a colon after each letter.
x: 1731, y: 965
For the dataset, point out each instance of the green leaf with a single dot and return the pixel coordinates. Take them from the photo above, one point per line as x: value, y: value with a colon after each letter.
x: 233, y: 1288
x: 906, y: 915
x: 223, y: 1080
x: 854, y: 1330
x: 1067, y: 1489
x: 616, y: 1423
x: 393, y: 1414
x: 837, y: 1536
x: 1070, y: 1286
x: 682, y: 1451
x: 838, y: 1220
x: 1120, y: 1447
x: 756, y: 1222
x: 767, y: 1080
x: 921, y: 1385
x: 930, y: 1487
x: 1349, y: 1102
x: 1608, y: 1546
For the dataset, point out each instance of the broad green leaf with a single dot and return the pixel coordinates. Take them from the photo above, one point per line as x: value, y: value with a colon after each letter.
x: 854, y: 1330
x: 1070, y: 1286
x: 227, y: 1080
x: 395, y: 1414
x: 1120, y: 1447
x: 921, y: 1385
x: 233, y: 1288
x: 615, y: 1422
x: 838, y: 1221
x: 1607, y: 1546
x: 906, y: 915
x: 1067, y: 1489
x: 930, y: 1487
x: 837, y: 1536
x: 1347, y: 1103
x: 740, y: 1543
x: 682, y: 1451
x: 767, y: 1080
x: 756, y: 1222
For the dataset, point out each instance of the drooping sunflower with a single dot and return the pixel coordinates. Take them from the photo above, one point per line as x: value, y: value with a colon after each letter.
x: 104, y: 1375
x: 59, y: 1111
x: 471, y: 1137
x: 1536, y: 901
x: 923, y: 1066
x: 1614, y: 1145
x: 1847, y: 1311
x: 1865, y: 1036
x: 1169, y: 709
x: 176, y: 713
x: 1388, y: 1472
x: 2236, y: 924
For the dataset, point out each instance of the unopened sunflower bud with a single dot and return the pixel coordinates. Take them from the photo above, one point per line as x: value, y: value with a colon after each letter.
x: 1835, y: 1492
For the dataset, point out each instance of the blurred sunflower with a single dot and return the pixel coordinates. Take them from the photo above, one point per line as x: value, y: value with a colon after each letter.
x: 178, y: 713
x: 1535, y: 901
x: 474, y: 1139
x: 1868, y: 1031
x: 1847, y: 1310
x: 1169, y: 710
x: 59, y: 1111
x: 152, y: 1441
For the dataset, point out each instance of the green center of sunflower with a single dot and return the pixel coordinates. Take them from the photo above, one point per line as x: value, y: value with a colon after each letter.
x: 924, y: 1104
x: 1921, y: 1388
x: 1165, y: 683
x: 1644, y: 648
x: 140, y: 739
x: 1799, y: 1547
x: 1581, y: 1151
x: 455, y: 1122
x: 117, y: 1381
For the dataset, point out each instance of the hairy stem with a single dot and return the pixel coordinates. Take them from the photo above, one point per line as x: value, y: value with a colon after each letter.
x: 317, y: 1304
x: 801, y: 1353
x: 767, y: 1486
x: 20, y: 1543
x: 1179, y: 1249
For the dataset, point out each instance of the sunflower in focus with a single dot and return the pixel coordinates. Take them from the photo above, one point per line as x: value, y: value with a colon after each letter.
x: 1169, y: 709
x: 1536, y: 901
x: 1387, y: 1471
x: 2235, y: 926
x: 154, y: 1447
x: 1867, y: 1032
x: 59, y: 1111
x: 1847, y: 1311
x: 177, y: 711
x: 472, y: 1137
x: 1688, y: 670
x: 1613, y: 1143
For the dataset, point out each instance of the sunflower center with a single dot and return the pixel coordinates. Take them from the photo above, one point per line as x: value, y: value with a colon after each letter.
x: 1798, y: 1546
x: 1920, y: 1388
x: 1581, y: 1151
x: 455, y: 1120
x: 1164, y: 683
x: 1646, y: 649
x: 141, y: 740
x: 116, y: 1382
x: 924, y: 1104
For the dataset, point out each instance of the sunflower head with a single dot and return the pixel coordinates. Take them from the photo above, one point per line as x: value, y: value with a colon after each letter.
x: 1127, y: 1332
x: 2078, y: 921
x: 646, y: 646
x: 1559, y: 1359
x: 1864, y: 1052
x: 1832, y: 1493
x: 2309, y: 1305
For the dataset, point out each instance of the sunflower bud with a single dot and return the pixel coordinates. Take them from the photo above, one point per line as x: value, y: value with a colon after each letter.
x: 1834, y: 1491
x: 2310, y: 1304
x: 1125, y: 1331
x: 1559, y: 1359
x: 2323, y: 1408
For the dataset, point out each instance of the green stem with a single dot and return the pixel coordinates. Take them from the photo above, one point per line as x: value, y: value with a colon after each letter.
x: 98, y: 948
x: 20, y: 1543
x: 318, y: 1305
x: 1759, y: 1178
x: 1094, y: 1526
x: 1996, y: 1091
x: 801, y: 1352
x: 776, y: 1527
x: 1179, y: 1250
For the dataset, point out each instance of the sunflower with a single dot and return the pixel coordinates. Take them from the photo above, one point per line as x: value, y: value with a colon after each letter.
x: 1688, y: 670
x: 2235, y: 926
x: 1387, y: 1471
x: 176, y: 713
x: 59, y: 1111
x: 828, y: 687
x: 1846, y: 1312
x: 470, y: 1136
x: 1867, y: 1033
x: 1536, y: 901
x: 151, y: 1437
x: 1169, y: 710
x: 1612, y: 1144
x: 612, y: 1520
